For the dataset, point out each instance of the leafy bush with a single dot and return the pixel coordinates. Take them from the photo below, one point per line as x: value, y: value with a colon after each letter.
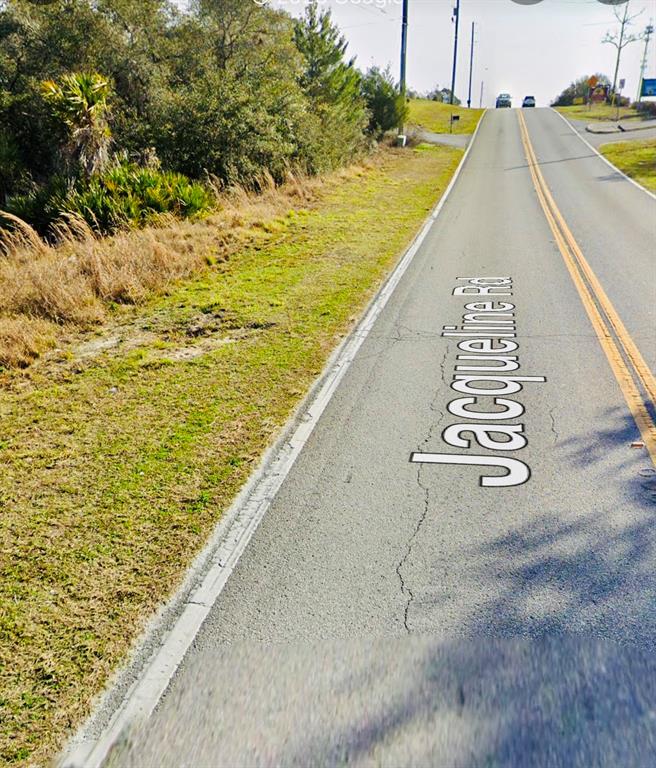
x: 135, y: 196
x: 13, y: 173
x: 646, y: 108
x: 230, y: 128
x: 225, y: 86
x: 125, y: 195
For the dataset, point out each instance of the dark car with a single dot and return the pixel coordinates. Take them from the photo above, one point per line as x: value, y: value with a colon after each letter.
x: 529, y: 101
x: 504, y: 100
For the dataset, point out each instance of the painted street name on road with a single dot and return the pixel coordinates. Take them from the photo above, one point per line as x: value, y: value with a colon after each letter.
x: 487, y: 334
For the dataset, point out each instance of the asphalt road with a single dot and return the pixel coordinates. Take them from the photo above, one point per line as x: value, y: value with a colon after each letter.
x: 396, y: 613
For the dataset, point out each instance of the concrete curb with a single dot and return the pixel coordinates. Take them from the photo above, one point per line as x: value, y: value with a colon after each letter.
x: 621, y: 127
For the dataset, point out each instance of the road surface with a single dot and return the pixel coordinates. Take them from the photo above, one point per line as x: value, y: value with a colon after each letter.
x: 395, y: 611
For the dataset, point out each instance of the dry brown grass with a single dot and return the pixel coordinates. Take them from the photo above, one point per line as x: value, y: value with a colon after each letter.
x: 23, y: 339
x: 73, y: 282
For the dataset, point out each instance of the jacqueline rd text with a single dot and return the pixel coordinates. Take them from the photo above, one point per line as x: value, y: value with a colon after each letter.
x: 486, y: 374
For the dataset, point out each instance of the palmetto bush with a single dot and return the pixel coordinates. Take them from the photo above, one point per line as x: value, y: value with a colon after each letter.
x: 81, y: 101
x: 41, y: 207
x: 125, y: 195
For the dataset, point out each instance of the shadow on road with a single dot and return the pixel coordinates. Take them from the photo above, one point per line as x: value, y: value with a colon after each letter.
x: 615, y: 176
x: 590, y: 572
x: 408, y: 701
x: 551, y: 162
x: 557, y: 669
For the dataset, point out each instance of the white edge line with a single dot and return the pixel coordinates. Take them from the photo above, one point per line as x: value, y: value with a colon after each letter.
x: 235, y: 529
x: 605, y: 159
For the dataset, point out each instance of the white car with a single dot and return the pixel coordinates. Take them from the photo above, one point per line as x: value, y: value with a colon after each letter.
x: 529, y: 101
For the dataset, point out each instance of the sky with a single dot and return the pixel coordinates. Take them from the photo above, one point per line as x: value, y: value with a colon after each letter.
x: 520, y: 49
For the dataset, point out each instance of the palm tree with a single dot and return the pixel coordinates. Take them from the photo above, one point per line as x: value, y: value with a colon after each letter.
x: 81, y: 100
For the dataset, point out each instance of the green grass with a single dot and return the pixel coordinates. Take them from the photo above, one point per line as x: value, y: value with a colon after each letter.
x: 600, y: 112
x: 434, y: 116
x: 117, y: 467
x: 635, y: 158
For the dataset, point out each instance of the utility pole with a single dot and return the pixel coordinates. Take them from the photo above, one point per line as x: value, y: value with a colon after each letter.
x: 404, y: 53
x: 456, y: 13
x: 471, y: 67
x: 480, y: 103
x: 649, y: 31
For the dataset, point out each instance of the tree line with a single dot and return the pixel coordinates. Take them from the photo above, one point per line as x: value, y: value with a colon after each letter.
x: 115, y: 109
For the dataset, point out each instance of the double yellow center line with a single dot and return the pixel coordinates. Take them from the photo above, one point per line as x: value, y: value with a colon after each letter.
x: 626, y: 362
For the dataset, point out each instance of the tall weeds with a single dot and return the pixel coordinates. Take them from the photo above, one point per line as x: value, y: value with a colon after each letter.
x: 72, y: 282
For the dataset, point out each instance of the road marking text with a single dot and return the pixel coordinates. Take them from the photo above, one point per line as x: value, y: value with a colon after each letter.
x: 487, y: 336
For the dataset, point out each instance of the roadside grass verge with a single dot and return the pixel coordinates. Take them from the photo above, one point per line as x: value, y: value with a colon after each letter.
x: 122, y: 448
x: 601, y: 112
x: 434, y: 116
x: 635, y: 158
x: 79, y: 283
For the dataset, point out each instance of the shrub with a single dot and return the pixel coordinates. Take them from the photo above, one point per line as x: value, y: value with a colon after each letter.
x: 133, y: 196
x: 333, y: 86
x: 387, y: 107
x: 646, y: 108
x: 228, y: 127
x: 80, y: 101
x: 123, y: 196
x: 13, y: 173
x: 43, y: 206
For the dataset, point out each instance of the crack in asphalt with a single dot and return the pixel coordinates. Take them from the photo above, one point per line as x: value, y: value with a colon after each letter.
x: 405, y: 589
x: 389, y: 342
x: 414, y: 333
x: 433, y: 403
x: 554, y: 431
x: 443, y: 362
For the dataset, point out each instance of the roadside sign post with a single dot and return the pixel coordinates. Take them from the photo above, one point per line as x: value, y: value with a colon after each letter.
x: 454, y: 119
x: 592, y: 84
x: 619, y: 101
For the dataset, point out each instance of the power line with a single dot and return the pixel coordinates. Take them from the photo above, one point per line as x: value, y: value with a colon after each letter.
x: 373, y: 9
x: 370, y: 23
